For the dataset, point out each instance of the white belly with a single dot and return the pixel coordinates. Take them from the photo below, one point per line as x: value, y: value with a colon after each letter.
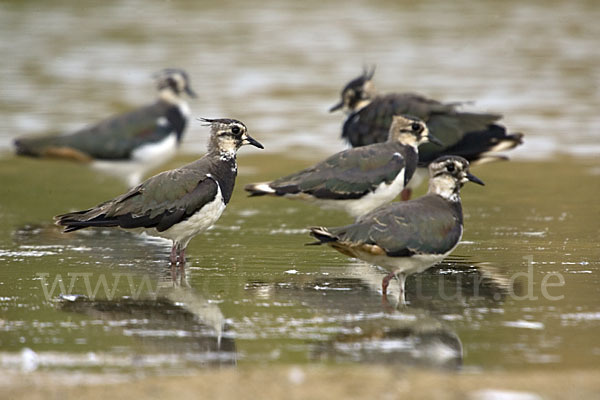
x: 143, y: 159
x: 203, y: 219
x: 156, y: 152
x: 383, y: 194
x: 407, y: 265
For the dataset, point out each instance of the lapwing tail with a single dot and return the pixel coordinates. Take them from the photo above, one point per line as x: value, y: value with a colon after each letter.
x: 50, y: 147
x: 322, y: 235
x: 84, y: 219
x: 484, y: 145
x: 259, y: 189
x: 28, y: 147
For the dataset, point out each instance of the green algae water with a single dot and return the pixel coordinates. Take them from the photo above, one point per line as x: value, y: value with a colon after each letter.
x: 520, y: 292
x: 522, y: 283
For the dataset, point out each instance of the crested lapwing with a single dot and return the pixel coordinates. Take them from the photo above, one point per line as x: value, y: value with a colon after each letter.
x: 474, y: 136
x: 176, y: 204
x: 360, y: 179
x: 410, y: 236
x: 126, y: 145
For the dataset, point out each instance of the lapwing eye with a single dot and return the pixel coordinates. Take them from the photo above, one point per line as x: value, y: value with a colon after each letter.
x: 235, y: 130
x: 415, y: 126
x: 450, y: 168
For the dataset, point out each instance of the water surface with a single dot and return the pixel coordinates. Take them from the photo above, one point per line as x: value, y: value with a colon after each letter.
x: 257, y: 294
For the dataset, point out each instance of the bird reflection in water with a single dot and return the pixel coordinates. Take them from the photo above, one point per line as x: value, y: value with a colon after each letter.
x: 180, y: 323
x: 409, y: 338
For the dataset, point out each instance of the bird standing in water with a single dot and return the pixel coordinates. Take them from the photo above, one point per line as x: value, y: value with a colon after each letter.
x: 410, y: 236
x: 126, y: 145
x: 177, y: 204
x: 360, y: 179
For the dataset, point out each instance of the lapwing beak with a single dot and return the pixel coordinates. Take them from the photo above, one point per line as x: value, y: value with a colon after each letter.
x: 434, y: 140
x: 250, y: 140
x: 475, y: 179
x: 337, y: 106
x: 190, y: 92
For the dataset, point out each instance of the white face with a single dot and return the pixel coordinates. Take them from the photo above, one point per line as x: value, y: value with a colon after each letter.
x: 179, y: 82
x: 408, y: 131
x: 453, y: 167
x: 368, y: 89
x: 173, y: 81
x: 448, y: 176
x: 445, y: 186
x: 227, y: 136
x: 228, y: 144
x: 356, y: 99
x: 230, y: 137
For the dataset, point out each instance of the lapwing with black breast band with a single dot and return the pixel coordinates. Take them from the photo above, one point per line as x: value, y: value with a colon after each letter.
x: 126, y: 145
x: 408, y: 237
x: 477, y: 137
x: 360, y: 179
x: 177, y: 204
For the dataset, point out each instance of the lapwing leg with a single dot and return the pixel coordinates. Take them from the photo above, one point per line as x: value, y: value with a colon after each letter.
x: 384, y: 285
x: 405, y: 194
x: 173, y: 259
x: 182, y: 266
x: 401, y: 299
x: 387, y: 307
x: 181, y: 257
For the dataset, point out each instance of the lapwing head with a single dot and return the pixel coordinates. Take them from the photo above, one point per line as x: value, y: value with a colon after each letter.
x: 357, y: 93
x: 227, y: 136
x: 411, y: 131
x: 174, y: 80
x: 448, y: 174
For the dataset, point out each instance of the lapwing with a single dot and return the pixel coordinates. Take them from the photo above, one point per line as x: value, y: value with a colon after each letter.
x: 176, y: 204
x: 126, y: 145
x: 410, y: 236
x: 474, y: 136
x: 360, y: 179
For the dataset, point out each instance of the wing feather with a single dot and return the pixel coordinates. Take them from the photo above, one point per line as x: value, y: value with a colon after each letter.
x: 371, y: 124
x: 114, y: 138
x: 425, y: 225
x: 346, y: 175
x: 160, y: 202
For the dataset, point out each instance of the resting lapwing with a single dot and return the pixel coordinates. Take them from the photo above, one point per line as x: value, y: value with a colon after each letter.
x: 176, y: 204
x: 410, y: 236
x: 126, y: 145
x: 474, y: 136
x: 360, y: 179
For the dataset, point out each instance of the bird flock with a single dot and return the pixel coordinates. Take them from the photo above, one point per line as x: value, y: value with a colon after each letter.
x: 396, y: 140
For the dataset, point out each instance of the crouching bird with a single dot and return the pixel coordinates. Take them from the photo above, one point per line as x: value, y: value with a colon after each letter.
x: 176, y: 204
x: 408, y: 237
x: 478, y: 137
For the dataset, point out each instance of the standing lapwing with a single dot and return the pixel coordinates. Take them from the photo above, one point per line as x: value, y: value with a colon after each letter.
x: 408, y: 237
x: 176, y: 204
x: 473, y: 136
x: 128, y: 144
x: 360, y: 179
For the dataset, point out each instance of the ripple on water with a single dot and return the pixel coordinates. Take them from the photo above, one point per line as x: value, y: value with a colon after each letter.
x: 524, y: 324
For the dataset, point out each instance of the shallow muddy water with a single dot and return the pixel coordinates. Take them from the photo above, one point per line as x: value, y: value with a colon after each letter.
x: 520, y: 292
x: 514, y: 294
